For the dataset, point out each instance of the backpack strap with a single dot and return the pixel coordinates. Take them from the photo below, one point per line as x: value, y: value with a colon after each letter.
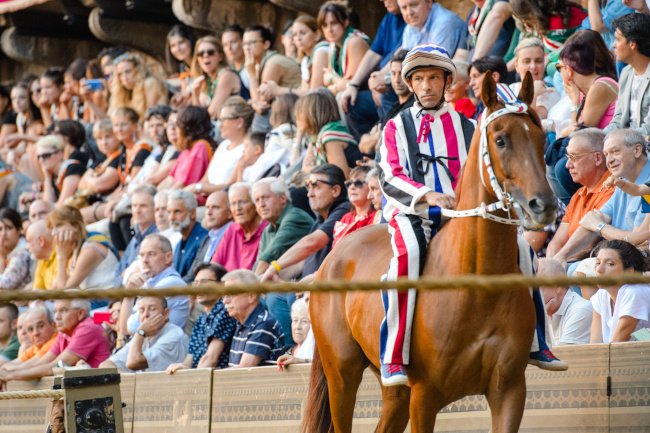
x: 411, y: 145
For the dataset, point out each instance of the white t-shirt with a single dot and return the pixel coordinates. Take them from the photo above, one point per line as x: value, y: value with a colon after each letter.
x: 546, y: 100
x: 632, y: 300
x: 571, y: 324
x: 635, y: 122
x: 223, y: 162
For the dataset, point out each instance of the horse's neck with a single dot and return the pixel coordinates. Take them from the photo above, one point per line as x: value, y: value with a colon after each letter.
x: 485, y: 247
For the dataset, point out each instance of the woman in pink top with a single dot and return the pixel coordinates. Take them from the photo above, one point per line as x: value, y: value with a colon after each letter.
x: 194, y: 143
x: 589, y: 74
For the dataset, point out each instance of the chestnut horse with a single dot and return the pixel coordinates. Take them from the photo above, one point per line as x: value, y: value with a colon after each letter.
x: 463, y: 342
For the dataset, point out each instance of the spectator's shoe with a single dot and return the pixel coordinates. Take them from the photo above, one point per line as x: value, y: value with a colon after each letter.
x: 545, y: 360
x: 393, y: 375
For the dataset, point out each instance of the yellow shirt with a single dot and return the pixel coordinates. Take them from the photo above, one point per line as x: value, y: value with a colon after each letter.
x: 45, y: 273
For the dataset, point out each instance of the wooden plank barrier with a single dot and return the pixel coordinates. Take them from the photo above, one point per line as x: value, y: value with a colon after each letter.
x: 237, y: 401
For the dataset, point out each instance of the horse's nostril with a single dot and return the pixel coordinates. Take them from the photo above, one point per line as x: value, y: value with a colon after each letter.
x: 536, y: 205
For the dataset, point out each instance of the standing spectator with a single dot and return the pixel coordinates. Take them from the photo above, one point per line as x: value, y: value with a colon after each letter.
x: 491, y: 27
x: 217, y: 219
x: 428, y: 22
x: 619, y: 310
x: 602, y: 15
x: 347, y: 45
x: 570, y: 314
x: 181, y: 206
x: 258, y: 337
x: 41, y: 246
x: 9, y: 344
x: 240, y: 244
x: 213, y: 82
x: 328, y: 199
x: 155, y: 345
x: 632, y: 46
x: 213, y: 330
x: 15, y: 261
x: 361, y: 211
x: 79, y: 339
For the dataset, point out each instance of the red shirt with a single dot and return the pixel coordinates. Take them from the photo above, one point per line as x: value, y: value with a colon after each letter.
x: 349, y: 223
x: 87, y: 342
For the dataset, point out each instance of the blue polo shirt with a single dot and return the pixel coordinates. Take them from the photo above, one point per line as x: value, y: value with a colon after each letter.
x: 259, y: 335
x: 186, y: 250
x: 389, y: 37
x: 625, y: 210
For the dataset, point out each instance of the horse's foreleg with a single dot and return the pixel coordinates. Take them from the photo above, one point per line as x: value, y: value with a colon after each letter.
x: 395, y: 410
x: 424, y: 407
x: 507, y: 400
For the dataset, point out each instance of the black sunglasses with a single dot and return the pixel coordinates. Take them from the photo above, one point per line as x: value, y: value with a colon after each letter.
x: 206, y: 53
x: 46, y: 156
x: 314, y: 183
x: 358, y: 183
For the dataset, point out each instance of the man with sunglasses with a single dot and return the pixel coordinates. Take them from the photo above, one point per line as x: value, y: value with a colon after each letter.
x: 328, y: 199
x: 420, y: 158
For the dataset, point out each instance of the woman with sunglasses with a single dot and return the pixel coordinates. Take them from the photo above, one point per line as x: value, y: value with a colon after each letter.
x: 589, y: 75
x: 212, y: 81
x: 61, y: 174
x: 362, y: 213
x: 14, y: 257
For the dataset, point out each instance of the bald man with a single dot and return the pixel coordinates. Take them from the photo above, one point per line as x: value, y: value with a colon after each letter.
x: 41, y: 329
x: 39, y: 210
x: 41, y: 245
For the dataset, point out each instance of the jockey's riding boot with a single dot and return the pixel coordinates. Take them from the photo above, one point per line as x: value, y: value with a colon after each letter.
x: 393, y: 375
x: 545, y: 360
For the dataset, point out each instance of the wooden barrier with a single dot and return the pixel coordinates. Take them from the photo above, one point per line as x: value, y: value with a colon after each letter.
x: 606, y: 389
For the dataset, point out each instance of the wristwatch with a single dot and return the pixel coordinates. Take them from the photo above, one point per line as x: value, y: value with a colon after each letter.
x: 599, y: 227
x: 141, y: 332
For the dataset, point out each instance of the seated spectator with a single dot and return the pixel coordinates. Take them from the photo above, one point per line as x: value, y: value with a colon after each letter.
x: 428, y: 22
x: 477, y: 70
x: 347, y: 45
x: 51, y: 87
x: 232, y: 42
x: 156, y: 344
x: 236, y: 119
x: 181, y: 206
x: 264, y: 64
x: 621, y: 216
x: 529, y: 57
x: 258, y: 337
x: 195, y: 145
x: 161, y: 217
x: 375, y: 194
x: 41, y: 330
x: 328, y: 199
x: 553, y: 21
x: 632, y: 46
x: 15, y: 261
x: 41, y: 246
x: 133, y: 86
x: 178, y: 50
x: 143, y: 224
x: 457, y: 95
x: 317, y: 117
x: 619, y: 310
x: 39, y: 210
x: 79, y: 339
x: 570, y: 314
x: 156, y: 272
x: 303, y: 349
x: 361, y: 213
x: 217, y: 219
x: 61, y: 176
x: 589, y: 75
x: 256, y: 163
x: 162, y: 122
x: 282, y: 140
x: 213, y: 81
x: 491, y: 26
x: 587, y: 166
x: 23, y: 337
x: 240, y: 244
x: 9, y: 344
x: 213, y: 330
x: 84, y: 259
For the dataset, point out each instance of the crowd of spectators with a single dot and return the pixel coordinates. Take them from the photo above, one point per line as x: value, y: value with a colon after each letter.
x: 246, y: 164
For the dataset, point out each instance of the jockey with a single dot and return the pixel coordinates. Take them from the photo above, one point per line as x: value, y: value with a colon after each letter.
x: 419, y: 162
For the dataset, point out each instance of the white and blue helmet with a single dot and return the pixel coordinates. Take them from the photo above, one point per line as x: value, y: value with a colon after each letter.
x: 427, y: 56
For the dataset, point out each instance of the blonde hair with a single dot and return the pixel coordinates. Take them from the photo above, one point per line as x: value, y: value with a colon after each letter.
x: 241, y: 108
x: 51, y: 143
x: 135, y: 98
x: 528, y: 43
x: 103, y: 126
x: 70, y: 215
x: 195, y: 68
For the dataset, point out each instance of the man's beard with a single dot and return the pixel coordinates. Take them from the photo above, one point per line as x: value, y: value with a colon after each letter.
x: 180, y: 226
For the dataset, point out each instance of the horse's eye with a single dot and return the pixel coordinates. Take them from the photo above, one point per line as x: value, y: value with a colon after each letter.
x: 500, y: 142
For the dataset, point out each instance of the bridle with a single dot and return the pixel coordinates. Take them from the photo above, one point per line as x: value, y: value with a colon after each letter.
x: 504, y: 202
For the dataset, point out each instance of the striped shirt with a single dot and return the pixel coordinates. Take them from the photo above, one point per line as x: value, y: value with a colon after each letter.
x: 336, y: 131
x: 440, y: 134
x: 259, y: 335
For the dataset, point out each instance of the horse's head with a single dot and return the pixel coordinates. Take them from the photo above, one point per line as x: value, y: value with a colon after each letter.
x: 515, y: 143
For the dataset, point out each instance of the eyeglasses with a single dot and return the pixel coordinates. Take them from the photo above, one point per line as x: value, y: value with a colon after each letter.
x: 311, y: 184
x: 46, y: 156
x: 559, y: 66
x: 358, y: 183
x: 573, y: 157
x: 251, y: 43
x: 206, y: 53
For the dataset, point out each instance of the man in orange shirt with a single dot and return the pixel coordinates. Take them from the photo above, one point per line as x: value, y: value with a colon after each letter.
x: 42, y: 334
x: 586, y: 164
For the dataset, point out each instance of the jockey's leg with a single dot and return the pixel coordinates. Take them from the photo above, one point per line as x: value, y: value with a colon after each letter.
x: 410, y: 236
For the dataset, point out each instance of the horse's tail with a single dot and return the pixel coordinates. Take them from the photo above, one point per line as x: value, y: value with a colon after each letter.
x: 318, y: 417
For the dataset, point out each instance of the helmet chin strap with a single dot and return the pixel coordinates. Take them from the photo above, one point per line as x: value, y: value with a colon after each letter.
x: 440, y: 103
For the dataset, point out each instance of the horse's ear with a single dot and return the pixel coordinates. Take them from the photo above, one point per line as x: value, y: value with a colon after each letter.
x: 489, y: 92
x: 527, y: 91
